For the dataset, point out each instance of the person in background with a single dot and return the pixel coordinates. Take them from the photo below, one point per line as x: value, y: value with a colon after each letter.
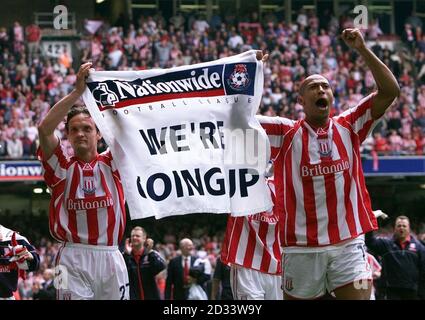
x: 403, y: 262
x: 143, y: 264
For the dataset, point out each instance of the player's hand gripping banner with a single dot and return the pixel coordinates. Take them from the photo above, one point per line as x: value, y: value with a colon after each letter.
x: 185, y: 139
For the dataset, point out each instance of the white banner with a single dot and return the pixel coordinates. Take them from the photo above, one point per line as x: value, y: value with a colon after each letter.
x: 186, y: 139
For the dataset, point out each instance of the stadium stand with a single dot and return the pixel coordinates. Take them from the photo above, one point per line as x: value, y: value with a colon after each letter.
x: 31, y: 82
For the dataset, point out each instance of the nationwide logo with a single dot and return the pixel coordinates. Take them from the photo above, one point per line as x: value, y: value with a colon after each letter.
x: 192, y: 83
x: 104, y: 96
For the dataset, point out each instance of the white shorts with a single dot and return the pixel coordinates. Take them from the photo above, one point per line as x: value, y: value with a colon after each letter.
x: 249, y: 284
x: 88, y: 272
x: 309, y: 275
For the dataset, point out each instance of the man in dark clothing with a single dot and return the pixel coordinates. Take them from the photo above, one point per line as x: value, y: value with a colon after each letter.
x: 46, y: 290
x: 403, y: 262
x: 221, y: 274
x: 17, y: 256
x: 143, y: 264
x: 183, y: 271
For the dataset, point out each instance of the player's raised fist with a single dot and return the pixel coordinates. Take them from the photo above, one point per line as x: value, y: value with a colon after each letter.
x: 353, y: 38
x: 82, y: 75
x: 261, y: 56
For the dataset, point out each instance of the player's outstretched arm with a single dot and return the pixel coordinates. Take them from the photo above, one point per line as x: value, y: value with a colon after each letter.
x: 46, y: 129
x: 261, y: 56
x: 388, y: 88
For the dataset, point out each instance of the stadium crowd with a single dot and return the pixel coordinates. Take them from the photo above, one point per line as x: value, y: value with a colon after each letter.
x: 31, y: 82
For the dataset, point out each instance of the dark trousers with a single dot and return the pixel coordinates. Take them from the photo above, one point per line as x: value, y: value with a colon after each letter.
x: 401, y: 294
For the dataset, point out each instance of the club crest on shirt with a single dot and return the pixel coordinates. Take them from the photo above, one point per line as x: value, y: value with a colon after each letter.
x: 89, y: 185
x: 324, y: 148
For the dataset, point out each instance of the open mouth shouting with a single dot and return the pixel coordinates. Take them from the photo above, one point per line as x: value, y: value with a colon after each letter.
x: 322, y: 104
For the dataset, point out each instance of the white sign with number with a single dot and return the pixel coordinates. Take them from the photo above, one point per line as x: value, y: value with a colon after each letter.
x: 55, y: 48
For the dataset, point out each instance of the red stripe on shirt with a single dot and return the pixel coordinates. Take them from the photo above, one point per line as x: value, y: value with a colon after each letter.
x: 276, y: 249
x: 286, y: 191
x: 91, y: 214
x: 72, y: 215
x: 363, y: 132
x: 120, y: 191
x: 234, y: 236
x: 58, y: 193
x: 227, y: 237
x: 111, y: 213
x: 251, y: 243
x: 367, y: 218
x: 266, y: 257
x: 331, y: 204
x: 273, y: 129
x: 349, y: 212
x: 308, y: 191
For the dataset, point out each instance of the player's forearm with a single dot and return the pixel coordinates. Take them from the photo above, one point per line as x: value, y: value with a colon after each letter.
x: 385, y: 80
x: 57, y: 113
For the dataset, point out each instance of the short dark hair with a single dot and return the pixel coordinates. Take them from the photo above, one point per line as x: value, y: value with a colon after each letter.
x: 402, y: 218
x: 76, y: 110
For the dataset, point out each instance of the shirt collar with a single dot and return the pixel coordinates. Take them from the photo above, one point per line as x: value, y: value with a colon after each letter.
x: 405, y: 242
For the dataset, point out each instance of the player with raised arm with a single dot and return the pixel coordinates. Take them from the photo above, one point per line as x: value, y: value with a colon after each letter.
x: 320, y: 187
x: 87, y: 208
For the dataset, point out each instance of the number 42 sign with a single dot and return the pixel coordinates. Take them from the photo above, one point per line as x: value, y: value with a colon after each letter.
x: 54, y: 49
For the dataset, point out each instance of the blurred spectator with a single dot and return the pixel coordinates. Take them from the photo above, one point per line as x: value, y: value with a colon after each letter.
x: 27, y: 145
x: 3, y: 145
x: 403, y: 262
x: 381, y: 144
x: 33, y: 36
x: 163, y: 50
x: 14, y: 147
x: 143, y: 264
x: 396, y: 143
x: 30, y: 82
x: 185, y: 270
x: 45, y: 290
x: 374, y: 31
x: 178, y: 20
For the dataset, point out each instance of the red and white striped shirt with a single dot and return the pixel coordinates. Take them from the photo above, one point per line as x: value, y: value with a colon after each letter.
x: 373, y: 263
x: 253, y: 241
x: 320, y: 188
x: 87, y: 204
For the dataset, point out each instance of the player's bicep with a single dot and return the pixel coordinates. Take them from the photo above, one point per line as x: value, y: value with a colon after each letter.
x: 48, y: 144
x: 381, y: 102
